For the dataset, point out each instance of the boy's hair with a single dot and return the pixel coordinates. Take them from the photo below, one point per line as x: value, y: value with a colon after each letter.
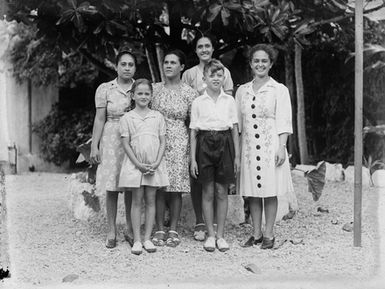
x: 213, y: 66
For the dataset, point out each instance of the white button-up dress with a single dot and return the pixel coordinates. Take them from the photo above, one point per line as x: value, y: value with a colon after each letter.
x: 262, y: 117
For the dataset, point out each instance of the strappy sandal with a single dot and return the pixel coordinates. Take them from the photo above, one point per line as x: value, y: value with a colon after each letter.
x: 111, y: 243
x: 159, y: 238
x: 172, y: 239
x: 199, y: 232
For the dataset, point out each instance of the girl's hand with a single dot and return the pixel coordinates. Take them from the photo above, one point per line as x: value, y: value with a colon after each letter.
x: 280, y: 156
x: 94, y: 156
x: 143, y: 168
x: 194, y: 169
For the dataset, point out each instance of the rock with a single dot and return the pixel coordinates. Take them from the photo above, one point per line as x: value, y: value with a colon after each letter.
x: 335, y: 222
x: 78, y: 233
x: 252, y: 268
x: 70, y: 278
x: 279, y: 243
x: 348, y: 227
x: 322, y: 210
x: 349, y: 175
x: 334, y: 172
x: 297, y: 241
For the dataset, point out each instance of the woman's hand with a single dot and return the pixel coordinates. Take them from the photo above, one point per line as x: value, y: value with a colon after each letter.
x: 280, y: 156
x: 94, y: 156
x: 194, y: 169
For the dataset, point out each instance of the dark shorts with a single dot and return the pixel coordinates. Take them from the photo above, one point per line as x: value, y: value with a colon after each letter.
x: 215, y: 156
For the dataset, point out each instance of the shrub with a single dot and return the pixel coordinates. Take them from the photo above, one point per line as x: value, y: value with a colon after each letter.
x: 61, y: 131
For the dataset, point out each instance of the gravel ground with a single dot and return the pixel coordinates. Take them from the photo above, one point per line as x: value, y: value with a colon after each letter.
x: 47, y: 244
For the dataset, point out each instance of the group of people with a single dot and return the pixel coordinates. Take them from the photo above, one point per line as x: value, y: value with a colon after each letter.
x: 188, y: 134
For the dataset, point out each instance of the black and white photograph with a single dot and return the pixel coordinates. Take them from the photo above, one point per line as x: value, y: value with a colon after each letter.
x: 154, y: 144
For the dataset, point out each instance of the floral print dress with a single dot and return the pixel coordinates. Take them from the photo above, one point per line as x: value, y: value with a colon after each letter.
x: 262, y: 117
x: 175, y: 105
x: 116, y: 101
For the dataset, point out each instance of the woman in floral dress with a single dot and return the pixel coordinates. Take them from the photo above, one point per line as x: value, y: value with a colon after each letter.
x: 264, y: 112
x: 173, y: 99
x: 112, y: 100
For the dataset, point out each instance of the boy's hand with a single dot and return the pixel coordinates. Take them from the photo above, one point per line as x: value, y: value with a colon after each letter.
x: 237, y: 166
x: 194, y: 169
x: 280, y: 156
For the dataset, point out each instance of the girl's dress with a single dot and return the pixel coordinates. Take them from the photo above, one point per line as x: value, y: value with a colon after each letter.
x: 144, y: 135
x: 175, y: 106
x: 262, y: 117
x: 116, y: 101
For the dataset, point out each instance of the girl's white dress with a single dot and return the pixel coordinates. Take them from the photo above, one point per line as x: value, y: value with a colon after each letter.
x: 262, y: 117
x: 144, y: 135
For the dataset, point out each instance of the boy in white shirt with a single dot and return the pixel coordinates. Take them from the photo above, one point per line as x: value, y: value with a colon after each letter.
x: 214, y: 150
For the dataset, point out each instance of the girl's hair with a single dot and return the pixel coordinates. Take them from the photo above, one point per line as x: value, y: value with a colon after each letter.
x: 135, y: 86
x: 269, y: 49
x: 178, y: 53
x: 208, y: 36
x: 124, y: 51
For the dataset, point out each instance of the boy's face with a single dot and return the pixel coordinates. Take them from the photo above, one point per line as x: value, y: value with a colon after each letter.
x: 214, y: 79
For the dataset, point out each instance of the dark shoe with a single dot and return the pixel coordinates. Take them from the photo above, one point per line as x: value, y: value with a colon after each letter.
x: 129, y: 239
x: 252, y: 241
x: 111, y: 243
x: 267, y: 243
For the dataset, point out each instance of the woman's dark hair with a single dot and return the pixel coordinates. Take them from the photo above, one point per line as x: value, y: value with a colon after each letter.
x: 178, y: 53
x: 135, y: 86
x: 124, y: 51
x: 210, y: 37
x: 269, y: 49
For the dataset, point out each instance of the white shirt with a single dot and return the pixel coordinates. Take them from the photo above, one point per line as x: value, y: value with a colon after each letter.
x: 207, y: 114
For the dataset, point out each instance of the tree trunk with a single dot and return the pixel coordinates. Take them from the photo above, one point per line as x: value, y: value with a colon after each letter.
x: 289, y: 80
x: 301, y: 122
x: 159, y: 56
x: 152, y: 66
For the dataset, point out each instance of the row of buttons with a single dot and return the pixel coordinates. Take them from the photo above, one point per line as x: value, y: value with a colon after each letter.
x: 258, y: 147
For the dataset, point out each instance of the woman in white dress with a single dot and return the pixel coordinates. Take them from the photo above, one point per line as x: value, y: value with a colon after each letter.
x: 264, y: 112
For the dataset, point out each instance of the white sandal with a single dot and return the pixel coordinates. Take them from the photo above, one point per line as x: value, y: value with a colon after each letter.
x: 149, y: 246
x: 137, y: 248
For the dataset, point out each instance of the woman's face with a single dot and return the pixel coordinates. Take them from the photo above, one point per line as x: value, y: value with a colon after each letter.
x: 260, y: 64
x: 204, y: 49
x: 171, y: 66
x: 126, y: 67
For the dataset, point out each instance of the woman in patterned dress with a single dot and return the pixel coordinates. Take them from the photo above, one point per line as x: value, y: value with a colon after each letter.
x: 173, y: 99
x: 112, y: 100
x: 264, y: 112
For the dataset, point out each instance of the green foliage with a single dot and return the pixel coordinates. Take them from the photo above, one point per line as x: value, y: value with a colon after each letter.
x: 62, y: 131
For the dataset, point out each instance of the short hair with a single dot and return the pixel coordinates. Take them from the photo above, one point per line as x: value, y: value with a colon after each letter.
x: 124, y: 51
x: 139, y: 82
x: 213, y: 66
x: 178, y: 53
x: 268, y: 48
x: 204, y: 35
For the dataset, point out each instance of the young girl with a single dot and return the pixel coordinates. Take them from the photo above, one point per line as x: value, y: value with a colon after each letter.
x: 143, y: 170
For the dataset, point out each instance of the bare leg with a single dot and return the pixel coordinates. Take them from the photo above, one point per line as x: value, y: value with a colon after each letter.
x: 111, y: 207
x: 271, y: 205
x: 175, y: 208
x: 160, y: 208
x: 127, y: 205
x: 221, y: 206
x: 207, y: 206
x: 256, y: 208
x: 136, y: 210
x: 150, y: 196
x: 196, y: 197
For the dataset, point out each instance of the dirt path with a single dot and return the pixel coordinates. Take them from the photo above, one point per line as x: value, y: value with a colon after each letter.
x: 47, y: 244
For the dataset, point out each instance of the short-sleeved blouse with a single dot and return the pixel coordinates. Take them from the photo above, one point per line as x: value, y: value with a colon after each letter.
x: 111, y: 96
x: 175, y: 105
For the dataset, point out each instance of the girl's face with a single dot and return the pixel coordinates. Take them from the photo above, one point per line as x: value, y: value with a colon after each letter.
x: 126, y: 67
x: 172, y: 66
x: 204, y: 49
x: 142, y: 95
x: 260, y: 64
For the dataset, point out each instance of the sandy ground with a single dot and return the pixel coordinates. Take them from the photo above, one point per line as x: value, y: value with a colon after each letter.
x: 46, y: 244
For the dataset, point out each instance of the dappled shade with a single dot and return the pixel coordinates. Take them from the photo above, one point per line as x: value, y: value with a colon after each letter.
x: 316, y: 180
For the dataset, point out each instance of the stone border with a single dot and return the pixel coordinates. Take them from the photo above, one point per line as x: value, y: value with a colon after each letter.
x: 4, y: 246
